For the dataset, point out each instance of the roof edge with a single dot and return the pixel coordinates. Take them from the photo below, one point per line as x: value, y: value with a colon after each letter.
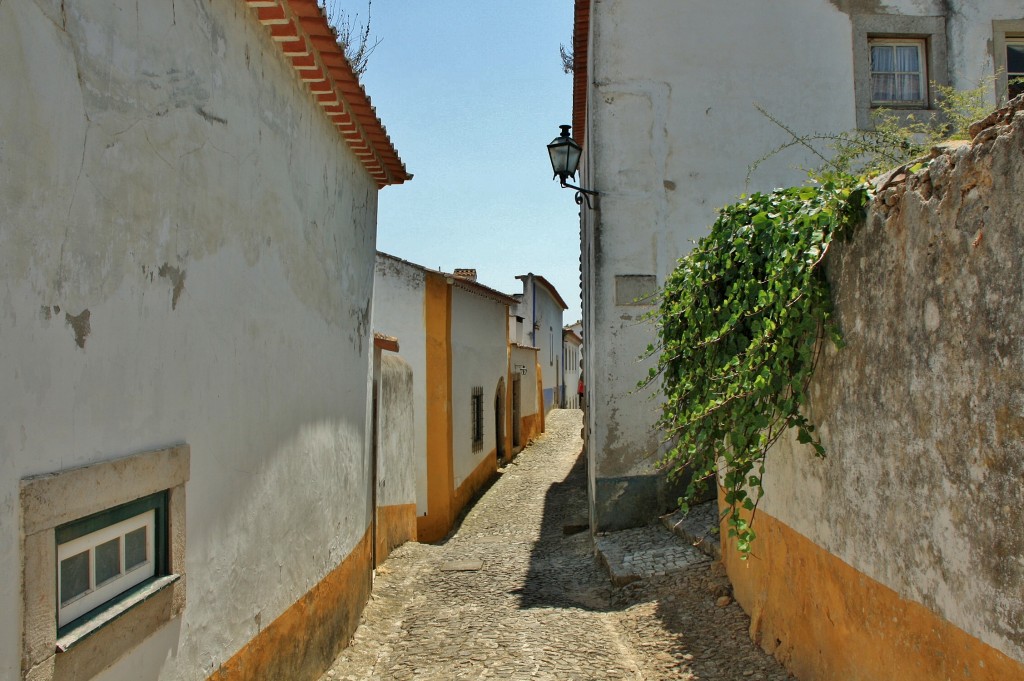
x: 306, y: 40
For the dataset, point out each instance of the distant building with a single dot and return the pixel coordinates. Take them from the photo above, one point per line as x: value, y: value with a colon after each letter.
x: 572, y: 357
x: 537, y: 322
x: 453, y: 332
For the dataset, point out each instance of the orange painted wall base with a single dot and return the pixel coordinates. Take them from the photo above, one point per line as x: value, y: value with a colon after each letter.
x: 435, y: 528
x: 824, y: 620
x: 395, y: 526
x: 530, y: 427
x: 305, y: 639
x: 484, y: 471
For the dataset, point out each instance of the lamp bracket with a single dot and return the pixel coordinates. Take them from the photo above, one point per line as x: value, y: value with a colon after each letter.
x: 581, y: 193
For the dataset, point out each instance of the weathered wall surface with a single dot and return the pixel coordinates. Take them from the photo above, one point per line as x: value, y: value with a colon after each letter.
x: 398, y: 311
x: 479, y: 360
x: 671, y: 129
x: 396, y: 443
x: 186, y: 249
x: 922, y: 415
x: 529, y: 415
x: 541, y: 328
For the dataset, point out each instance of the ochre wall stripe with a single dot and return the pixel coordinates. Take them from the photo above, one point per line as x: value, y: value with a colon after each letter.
x: 396, y: 525
x: 440, y: 474
x: 824, y: 619
x: 303, y: 641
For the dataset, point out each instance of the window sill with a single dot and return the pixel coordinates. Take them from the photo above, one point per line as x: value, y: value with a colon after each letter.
x: 90, y: 625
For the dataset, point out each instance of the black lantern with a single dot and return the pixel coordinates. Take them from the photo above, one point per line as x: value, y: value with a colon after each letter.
x: 565, y: 158
x: 565, y: 155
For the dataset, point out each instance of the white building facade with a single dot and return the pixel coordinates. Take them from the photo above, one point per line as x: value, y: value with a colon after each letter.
x: 664, y: 106
x: 186, y: 261
x: 453, y: 332
x: 538, y: 322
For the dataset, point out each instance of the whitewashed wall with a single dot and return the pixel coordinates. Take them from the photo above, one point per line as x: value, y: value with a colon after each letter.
x: 671, y: 131
x: 167, y: 175
x: 479, y: 359
x: 396, y: 481
x: 398, y: 311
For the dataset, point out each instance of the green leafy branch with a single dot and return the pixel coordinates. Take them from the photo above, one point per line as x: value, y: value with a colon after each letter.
x: 738, y: 327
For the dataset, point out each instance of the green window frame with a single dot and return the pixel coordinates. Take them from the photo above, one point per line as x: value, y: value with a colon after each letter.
x: 95, y: 525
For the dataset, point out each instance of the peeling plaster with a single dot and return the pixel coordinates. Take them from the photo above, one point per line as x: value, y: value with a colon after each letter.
x: 80, y: 324
x: 177, y: 278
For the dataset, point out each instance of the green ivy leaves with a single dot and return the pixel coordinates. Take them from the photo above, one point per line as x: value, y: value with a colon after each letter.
x: 738, y: 325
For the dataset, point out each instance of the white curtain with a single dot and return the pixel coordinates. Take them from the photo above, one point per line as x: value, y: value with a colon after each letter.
x: 896, y: 73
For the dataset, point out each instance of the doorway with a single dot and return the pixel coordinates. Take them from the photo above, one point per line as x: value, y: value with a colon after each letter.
x: 499, y: 419
x: 516, y: 394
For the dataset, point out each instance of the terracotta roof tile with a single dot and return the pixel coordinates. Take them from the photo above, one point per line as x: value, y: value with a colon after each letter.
x: 302, y: 33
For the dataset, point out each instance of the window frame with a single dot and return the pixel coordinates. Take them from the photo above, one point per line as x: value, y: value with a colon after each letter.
x: 477, y: 419
x: 98, y: 639
x: 84, y: 534
x: 922, y: 59
x: 891, y: 27
x: 1004, y: 33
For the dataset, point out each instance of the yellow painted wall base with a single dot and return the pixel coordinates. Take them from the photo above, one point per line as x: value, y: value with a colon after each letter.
x: 484, y: 471
x: 395, y: 526
x: 435, y: 527
x: 305, y: 639
x: 825, y: 620
x: 530, y: 427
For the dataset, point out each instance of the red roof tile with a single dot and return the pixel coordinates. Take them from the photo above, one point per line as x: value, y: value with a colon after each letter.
x: 302, y: 33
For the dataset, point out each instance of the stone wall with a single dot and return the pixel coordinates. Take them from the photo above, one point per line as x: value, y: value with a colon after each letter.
x: 906, y: 537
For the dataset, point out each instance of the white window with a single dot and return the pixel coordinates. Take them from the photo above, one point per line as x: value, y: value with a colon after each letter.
x: 895, y: 59
x: 1008, y: 58
x: 899, y: 76
x: 96, y: 566
x: 103, y: 551
x: 1015, y: 66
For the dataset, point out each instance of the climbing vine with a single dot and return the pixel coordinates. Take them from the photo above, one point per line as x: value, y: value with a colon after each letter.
x: 738, y: 325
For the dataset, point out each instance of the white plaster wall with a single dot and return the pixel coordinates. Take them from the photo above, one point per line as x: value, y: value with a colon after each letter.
x: 671, y: 132
x: 398, y: 310
x: 479, y: 359
x: 672, y: 128
x: 528, y: 382
x: 542, y: 328
x: 165, y: 171
x: 571, y: 360
x: 396, y: 482
x: 549, y: 338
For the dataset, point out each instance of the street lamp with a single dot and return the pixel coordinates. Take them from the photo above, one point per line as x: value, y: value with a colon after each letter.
x: 565, y: 158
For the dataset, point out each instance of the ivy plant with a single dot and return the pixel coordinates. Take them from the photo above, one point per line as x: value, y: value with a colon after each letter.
x: 738, y: 326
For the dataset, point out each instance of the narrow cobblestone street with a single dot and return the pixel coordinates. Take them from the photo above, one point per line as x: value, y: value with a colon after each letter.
x: 516, y: 593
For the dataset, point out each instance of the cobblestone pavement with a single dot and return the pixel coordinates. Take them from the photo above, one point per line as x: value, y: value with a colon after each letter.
x: 516, y: 592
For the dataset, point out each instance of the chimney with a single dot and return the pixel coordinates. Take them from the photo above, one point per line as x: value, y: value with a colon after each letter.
x: 465, y: 273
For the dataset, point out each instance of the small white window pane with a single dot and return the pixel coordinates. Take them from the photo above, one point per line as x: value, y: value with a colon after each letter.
x: 883, y: 87
x: 907, y: 59
x: 882, y: 59
x: 74, y: 577
x: 108, y: 561
x: 908, y: 88
x: 101, y: 591
x: 135, y: 545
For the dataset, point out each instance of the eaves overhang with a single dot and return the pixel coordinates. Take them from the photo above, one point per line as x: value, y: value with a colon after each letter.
x: 306, y: 40
x: 580, y: 56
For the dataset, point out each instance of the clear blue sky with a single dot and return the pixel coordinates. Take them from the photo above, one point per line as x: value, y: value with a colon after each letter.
x: 470, y: 93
